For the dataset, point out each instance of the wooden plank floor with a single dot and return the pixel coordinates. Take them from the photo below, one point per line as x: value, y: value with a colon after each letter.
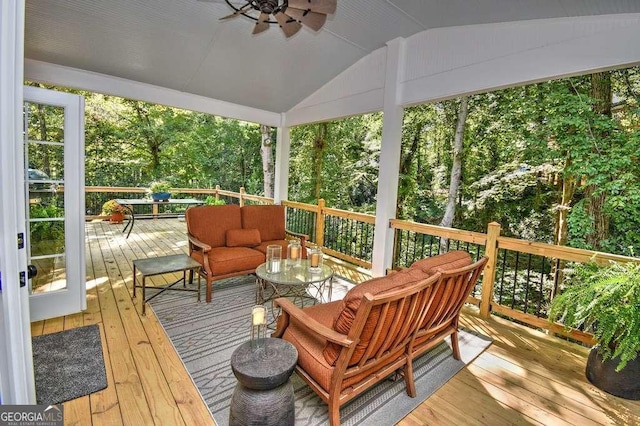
x: 525, y: 377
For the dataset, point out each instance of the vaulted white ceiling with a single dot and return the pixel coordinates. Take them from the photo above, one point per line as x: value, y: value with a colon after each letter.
x: 182, y: 45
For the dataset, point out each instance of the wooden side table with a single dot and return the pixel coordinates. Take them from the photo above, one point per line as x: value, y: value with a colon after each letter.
x: 164, y: 265
x: 264, y: 394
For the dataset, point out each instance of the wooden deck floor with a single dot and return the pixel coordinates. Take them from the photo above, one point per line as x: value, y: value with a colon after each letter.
x: 525, y: 377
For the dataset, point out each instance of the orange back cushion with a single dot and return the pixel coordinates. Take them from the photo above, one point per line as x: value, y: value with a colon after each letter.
x: 452, y: 260
x: 210, y: 224
x: 269, y: 220
x: 351, y: 303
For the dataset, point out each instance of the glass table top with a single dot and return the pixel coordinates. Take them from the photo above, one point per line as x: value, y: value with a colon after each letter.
x: 295, y: 274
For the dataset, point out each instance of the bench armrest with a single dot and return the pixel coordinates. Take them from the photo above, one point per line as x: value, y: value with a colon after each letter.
x: 306, y: 321
x: 197, y: 244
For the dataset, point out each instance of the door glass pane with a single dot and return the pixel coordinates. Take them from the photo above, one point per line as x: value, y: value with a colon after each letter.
x: 46, y: 204
x: 46, y: 165
x: 51, y: 276
x: 45, y: 123
x: 47, y: 237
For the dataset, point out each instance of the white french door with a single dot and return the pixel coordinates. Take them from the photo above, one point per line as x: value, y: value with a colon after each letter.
x: 54, y: 193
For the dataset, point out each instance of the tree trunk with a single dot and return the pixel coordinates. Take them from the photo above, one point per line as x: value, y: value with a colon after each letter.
x: 456, y: 167
x: 456, y: 170
x: 267, y: 160
x: 594, y: 196
x: 153, y: 141
x: 42, y: 118
x: 318, y: 155
x: 568, y: 189
x: 405, y: 168
x: 561, y: 227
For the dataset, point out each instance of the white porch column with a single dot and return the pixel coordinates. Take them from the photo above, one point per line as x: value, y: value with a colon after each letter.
x: 16, y: 359
x: 283, y: 148
x: 390, y: 151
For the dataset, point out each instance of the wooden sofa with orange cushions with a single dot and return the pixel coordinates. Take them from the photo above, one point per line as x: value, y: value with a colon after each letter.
x: 347, y: 346
x: 230, y: 240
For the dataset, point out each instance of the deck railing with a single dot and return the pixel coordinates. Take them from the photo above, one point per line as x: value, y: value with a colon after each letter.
x: 519, y: 281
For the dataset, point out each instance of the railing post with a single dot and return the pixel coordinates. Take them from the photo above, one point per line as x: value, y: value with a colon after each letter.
x: 489, y: 275
x: 217, y: 192
x: 241, y: 196
x: 320, y: 223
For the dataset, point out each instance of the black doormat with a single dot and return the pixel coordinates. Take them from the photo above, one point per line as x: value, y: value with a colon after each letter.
x: 68, y: 364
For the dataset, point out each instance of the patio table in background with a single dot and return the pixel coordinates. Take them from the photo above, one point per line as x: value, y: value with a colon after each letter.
x: 129, y: 205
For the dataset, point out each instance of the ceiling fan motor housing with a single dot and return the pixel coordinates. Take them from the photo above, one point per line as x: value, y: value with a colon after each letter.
x: 269, y: 6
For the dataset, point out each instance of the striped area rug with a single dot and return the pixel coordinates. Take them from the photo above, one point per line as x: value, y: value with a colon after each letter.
x: 206, y: 334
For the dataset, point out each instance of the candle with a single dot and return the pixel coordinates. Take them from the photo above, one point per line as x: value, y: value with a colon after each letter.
x: 295, y: 252
x: 315, y: 260
x: 275, y: 266
x: 257, y: 315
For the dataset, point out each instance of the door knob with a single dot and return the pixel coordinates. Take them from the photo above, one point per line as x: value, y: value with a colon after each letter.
x: 32, y: 271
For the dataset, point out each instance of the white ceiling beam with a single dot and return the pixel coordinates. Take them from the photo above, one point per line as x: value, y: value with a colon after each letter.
x: 452, y: 62
x: 100, y: 83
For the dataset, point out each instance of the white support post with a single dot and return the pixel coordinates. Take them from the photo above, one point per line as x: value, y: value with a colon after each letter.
x: 390, y: 150
x: 283, y: 148
x: 16, y: 358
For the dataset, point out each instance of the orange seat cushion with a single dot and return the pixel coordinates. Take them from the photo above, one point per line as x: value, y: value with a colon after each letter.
x: 227, y: 260
x: 243, y: 238
x: 452, y: 260
x: 310, y: 345
x: 351, y: 303
x: 282, y: 243
x: 269, y: 220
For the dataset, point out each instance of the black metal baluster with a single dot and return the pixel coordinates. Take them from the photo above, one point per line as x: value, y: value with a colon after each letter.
x: 541, y: 288
x: 354, y: 238
x: 504, y: 265
x: 526, y: 289
x: 415, y: 244
x: 515, y: 280
x: 369, y: 241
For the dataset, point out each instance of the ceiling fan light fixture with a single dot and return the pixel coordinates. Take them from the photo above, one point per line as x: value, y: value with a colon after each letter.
x: 290, y: 15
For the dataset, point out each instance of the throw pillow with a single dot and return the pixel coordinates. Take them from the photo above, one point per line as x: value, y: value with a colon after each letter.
x: 243, y: 238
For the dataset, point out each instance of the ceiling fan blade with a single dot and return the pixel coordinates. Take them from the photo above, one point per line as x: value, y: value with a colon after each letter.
x: 244, y: 9
x: 262, y: 24
x: 289, y: 25
x: 313, y: 20
x: 319, y: 6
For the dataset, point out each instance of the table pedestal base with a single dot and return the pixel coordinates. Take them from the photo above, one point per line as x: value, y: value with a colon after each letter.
x: 264, y: 394
x: 272, y: 407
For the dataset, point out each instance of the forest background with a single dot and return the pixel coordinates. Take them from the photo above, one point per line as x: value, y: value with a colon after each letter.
x: 555, y: 162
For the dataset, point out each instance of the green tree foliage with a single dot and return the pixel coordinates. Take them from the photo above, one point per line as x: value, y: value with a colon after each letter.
x: 524, y: 148
x: 131, y: 143
x: 349, y: 156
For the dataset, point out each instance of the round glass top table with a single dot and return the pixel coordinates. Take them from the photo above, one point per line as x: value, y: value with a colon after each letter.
x: 297, y: 282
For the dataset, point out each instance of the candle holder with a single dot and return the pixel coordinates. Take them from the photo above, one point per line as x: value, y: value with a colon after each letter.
x: 315, y: 259
x: 258, y: 327
x: 274, y: 258
x: 294, y: 253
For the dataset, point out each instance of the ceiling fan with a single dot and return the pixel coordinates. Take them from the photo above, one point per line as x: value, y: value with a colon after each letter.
x: 290, y: 15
